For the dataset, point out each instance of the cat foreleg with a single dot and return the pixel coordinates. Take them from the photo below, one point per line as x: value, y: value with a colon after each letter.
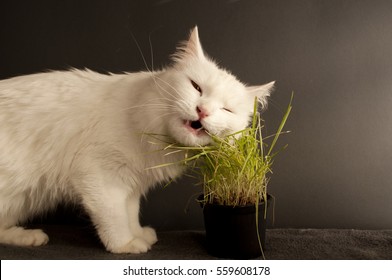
x: 146, y: 233
x: 107, y: 204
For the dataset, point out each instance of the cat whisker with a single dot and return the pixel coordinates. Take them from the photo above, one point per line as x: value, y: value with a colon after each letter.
x: 151, y: 71
x: 160, y: 87
x: 141, y: 52
x: 151, y: 52
x: 152, y: 123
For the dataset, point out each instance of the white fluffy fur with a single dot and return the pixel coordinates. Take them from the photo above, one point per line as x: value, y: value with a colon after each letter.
x: 80, y: 136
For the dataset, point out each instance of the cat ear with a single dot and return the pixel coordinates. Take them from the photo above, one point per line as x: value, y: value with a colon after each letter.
x: 190, y: 48
x: 193, y: 44
x: 262, y: 92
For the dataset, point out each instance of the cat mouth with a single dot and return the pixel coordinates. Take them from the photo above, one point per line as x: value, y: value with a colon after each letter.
x: 195, y: 127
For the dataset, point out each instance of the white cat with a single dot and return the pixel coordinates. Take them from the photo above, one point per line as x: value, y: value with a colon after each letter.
x: 81, y: 137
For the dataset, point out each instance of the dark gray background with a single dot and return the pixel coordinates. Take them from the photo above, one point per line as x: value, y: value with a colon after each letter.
x: 335, y: 55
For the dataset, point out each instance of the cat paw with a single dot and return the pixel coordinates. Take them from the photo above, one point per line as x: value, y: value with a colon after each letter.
x: 25, y: 237
x: 34, y: 237
x: 135, y: 246
x: 149, y: 235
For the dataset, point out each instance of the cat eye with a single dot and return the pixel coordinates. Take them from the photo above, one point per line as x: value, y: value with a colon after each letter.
x: 196, y: 86
x: 227, y: 110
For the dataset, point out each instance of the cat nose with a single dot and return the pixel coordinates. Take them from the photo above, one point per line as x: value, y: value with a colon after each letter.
x: 202, y: 112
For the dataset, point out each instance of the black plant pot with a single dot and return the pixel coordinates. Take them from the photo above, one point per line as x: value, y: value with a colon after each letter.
x: 231, y: 232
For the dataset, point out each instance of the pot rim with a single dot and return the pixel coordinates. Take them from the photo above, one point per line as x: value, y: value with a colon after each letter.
x: 215, y: 205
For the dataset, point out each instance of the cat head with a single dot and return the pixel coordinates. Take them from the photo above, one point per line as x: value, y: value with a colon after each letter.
x: 206, y: 99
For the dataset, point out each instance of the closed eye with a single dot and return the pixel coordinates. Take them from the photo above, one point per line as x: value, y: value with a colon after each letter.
x: 227, y: 110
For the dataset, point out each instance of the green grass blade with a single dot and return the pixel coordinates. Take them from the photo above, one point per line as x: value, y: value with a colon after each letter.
x: 282, y: 123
